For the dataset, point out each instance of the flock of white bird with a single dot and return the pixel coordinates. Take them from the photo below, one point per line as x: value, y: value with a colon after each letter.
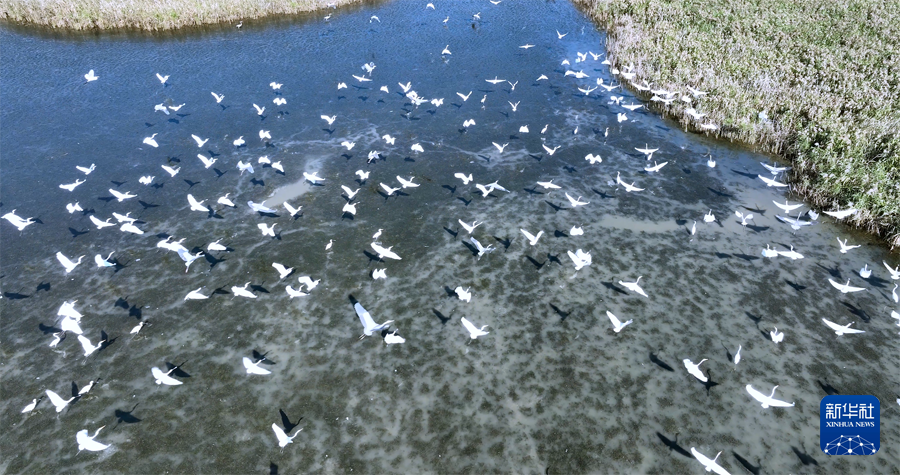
x: 70, y: 318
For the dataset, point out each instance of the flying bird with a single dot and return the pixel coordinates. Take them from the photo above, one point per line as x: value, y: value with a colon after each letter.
x: 474, y: 332
x: 634, y: 286
x: 617, y: 325
x: 841, y: 329
x: 767, y: 401
x: 694, y: 369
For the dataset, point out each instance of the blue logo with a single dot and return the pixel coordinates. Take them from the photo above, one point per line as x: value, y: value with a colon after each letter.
x: 850, y: 425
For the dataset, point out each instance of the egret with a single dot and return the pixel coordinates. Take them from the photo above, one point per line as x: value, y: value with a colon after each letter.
x: 57, y: 338
x: 217, y: 97
x: 292, y: 292
x: 694, y: 228
x: 628, y: 188
x: 349, y: 208
x: 385, y: 89
x: 710, y: 464
x: 264, y: 135
x: 67, y: 309
x: 70, y: 324
x: 223, y: 200
x: 30, y: 407
x: 373, y: 155
x: 377, y: 234
x: 279, y: 101
x: 777, y: 336
x: 259, y: 110
x: 845, y: 288
x: 709, y: 217
x: 242, y: 291
x: 151, y: 141
x: 474, y: 332
x: 341, y: 85
x: 634, y: 286
x: 86, y: 442
x: 744, y: 217
x: 737, y: 356
x: 769, y: 252
x: 57, y: 401
x: 515, y: 106
x: 550, y: 151
x: 464, y: 97
x: 244, y: 166
x: 895, y: 272
x: 865, y: 272
x: 541, y: 78
x: 260, y: 207
x: 894, y: 294
x: 406, y: 87
x: 86, y: 170
x: 87, y: 387
x: 267, y: 230
x: 350, y: 193
x: 18, y: 221
x: 548, y: 185
x: 162, y: 79
x: 310, y: 284
x: 481, y: 249
x: 393, y: 338
x: 463, y: 294
x: 146, y: 179
x: 277, y: 166
x: 407, y: 183
x: 794, y: 255
x: 101, y: 262
x: 330, y: 120
x: 71, y: 186
x: 162, y: 108
x: 313, y: 177
x: 647, y: 151
x: 523, y: 129
x: 379, y: 274
x: 576, y: 231
x: 621, y: 117
x: 89, y: 347
x: 417, y: 148
x: 468, y: 122
x: 384, y: 252
x: 656, y: 167
x: 164, y: 378
x: 845, y: 247
x: 465, y: 179
x: 841, y: 214
x: 328, y: 246
x: 694, y: 369
x: 694, y: 114
x: 576, y: 202
x: 369, y: 325
x: 767, y: 401
x: 253, y: 368
x: 122, y: 196
x: 67, y: 263
x: 196, y: 205
x: 282, y: 270
x: 580, y: 258
x: 469, y: 227
x: 130, y: 228
x: 387, y: 189
x: 275, y: 85
x: 293, y: 211
x: 532, y: 239
x: 239, y: 141
x: 348, y: 144
x: 771, y: 182
x: 172, y: 171
x: 587, y: 91
x: 283, y: 438
x: 137, y: 328
x: 842, y: 329
x: 71, y: 208
x: 90, y: 76
x: 617, y: 325
x: 712, y: 163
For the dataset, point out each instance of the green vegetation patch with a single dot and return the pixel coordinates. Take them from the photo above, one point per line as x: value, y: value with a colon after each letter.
x: 815, y: 81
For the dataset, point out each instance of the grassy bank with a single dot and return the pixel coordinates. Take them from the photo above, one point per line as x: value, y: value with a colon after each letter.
x: 826, y: 73
x: 151, y: 14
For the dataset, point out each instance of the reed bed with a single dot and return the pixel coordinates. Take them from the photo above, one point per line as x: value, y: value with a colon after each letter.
x: 814, y: 81
x: 150, y: 15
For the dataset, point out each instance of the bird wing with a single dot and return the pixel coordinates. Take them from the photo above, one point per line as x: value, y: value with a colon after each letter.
x: 836, y: 285
x: 85, y: 343
x: 282, y: 437
x: 615, y: 321
x: 477, y: 244
x: 757, y: 395
x: 163, y: 377
x: 469, y: 326
x: 528, y: 235
x: 56, y: 400
x: 364, y: 317
x: 833, y: 325
x: 252, y: 368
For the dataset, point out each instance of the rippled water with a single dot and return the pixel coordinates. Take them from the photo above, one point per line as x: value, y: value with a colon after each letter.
x: 550, y: 389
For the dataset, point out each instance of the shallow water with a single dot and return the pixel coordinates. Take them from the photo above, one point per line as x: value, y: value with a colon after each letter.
x: 551, y: 389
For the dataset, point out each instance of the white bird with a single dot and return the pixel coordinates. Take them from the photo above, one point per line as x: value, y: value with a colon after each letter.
x: 894, y: 294
x: 239, y: 141
x: 67, y: 263
x: 293, y: 211
x: 223, y: 200
x: 550, y: 151
x: 469, y: 227
x: 170, y: 170
x: 481, y: 249
x: 207, y: 162
x: 188, y: 258
x: 474, y: 332
x: 292, y: 292
x: 377, y: 234
x: 709, y: 217
x: 348, y: 144
x: 387, y: 189
x: 379, y: 274
x: 267, y: 230
x: 349, y: 208
x: 744, y: 217
x: 514, y: 106
x: 282, y: 270
x: 775, y: 170
x: 580, y: 258
x: 593, y: 159
x: 275, y: 85
x: 30, y: 407
x: 196, y: 205
x: 711, y: 163
x: 87, y: 387
x: 541, y: 77
x: 328, y: 246
x: 162, y: 108
x: 621, y: 117
x: 307, y: 280
x: 217, y: 97
x: 88, y: 346
x: 865, y: 272
x: 86, y: 442
x: 588, y: 90
x: 617, y: 325
x: 71, y: 208
x: 694, y: 369
x: 264, y: 135
x: 71, y: 186
x: 710, y: 464
x: 841, y: 329
x: 242, y: 291
x: 341, y: 85
x: 388, y: 139
x: 101, y: 224
x: 500, y: 147
x: 162, y: 79
x: 777, y: 336
x: 393, y: 338
x: 794, y: 255
x: 406, y: 87
x: 330, y: 120
x: 259, y: 110
x: 146, y: 179
x: 196, y: 295
x: 769, y: 252
x: 576, y: 202
x: 69, y: 324
x: 277, y: 166
x: 57, y: 338
x: 737, y: 356
x: 101, y: 262
x: 656, y: 167
x: 151, y: 141
x: 253, y: 368
x: 384, y: 252
x: 279, y: 101
x: 465, y: 97
x: 446, y: 50
x: 417, y: 148
x: 845, y: 247
x: 841, y: 214
x: 283, y: 438
x: 463, y: 294
x: 86, y: 170
x: 244, y: 166
x: 845, y: 288
x: 313, y: 177
x: 407, y: 183
x: 895, y: 272
x: 465, y: 179
x: 576, y: 231
x: 468, y: 122
x: 771, y: 182
x: 548, y: 185
x: 628, y: 188
x: 634, y: 286
x: 164, y: 378
x: 90, y: 76
x: 57, y: 401
x: 767, y: 401
x: 532, y: 239
x: 369, y: 325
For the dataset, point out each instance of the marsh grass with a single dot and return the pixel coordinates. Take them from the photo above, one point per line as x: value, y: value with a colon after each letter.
x: 150, y: 15
x: 825, y: 73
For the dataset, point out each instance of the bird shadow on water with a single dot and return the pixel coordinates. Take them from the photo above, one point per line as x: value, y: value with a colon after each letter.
x: 562, y: 313
x: 450, y: 292
x: 537, y: 264
x: 750, y: 468
x: 857, y: 312
x: 611, y: 286
x: 452, y: 232
x: 76, y: 233
x: 48, y: 330
x: 273, y: 468
x: 176, y: 370
x: 662, y: 364
x: 805, y: 458
x: 440, y: 316
x: 833, y: 271
x: 673, y: 445
x: 286, y: 421
x: 829, y: 389
x: 126, y: 417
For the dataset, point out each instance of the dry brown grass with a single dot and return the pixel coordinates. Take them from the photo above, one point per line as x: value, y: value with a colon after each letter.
x: 152, y: 14
x: 825, y: 72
